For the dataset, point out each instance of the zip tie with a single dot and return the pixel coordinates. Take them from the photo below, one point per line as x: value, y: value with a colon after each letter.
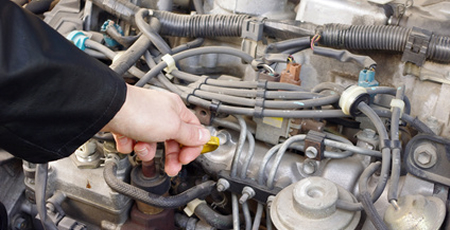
x: 399, y: 104
x: 171, y: 65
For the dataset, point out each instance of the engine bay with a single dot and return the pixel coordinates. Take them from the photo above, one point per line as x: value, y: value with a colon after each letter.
x: 329, y: 114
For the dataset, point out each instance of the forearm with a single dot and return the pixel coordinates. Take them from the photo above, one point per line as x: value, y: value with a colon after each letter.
x: 53, y: 97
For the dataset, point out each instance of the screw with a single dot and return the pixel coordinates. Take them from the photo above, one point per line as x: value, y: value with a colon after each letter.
x: 222, y: 185
x: 311, y: 152
x: 247, y: 193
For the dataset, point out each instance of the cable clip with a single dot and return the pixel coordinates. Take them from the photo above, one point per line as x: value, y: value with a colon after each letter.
x: 398, y: 104
x: 78, y: 38
x: 350, y: 99
x: 171, y: 65
x: 417, y: 45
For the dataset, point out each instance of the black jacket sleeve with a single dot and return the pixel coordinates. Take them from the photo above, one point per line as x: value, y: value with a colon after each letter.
x: 53, y: 97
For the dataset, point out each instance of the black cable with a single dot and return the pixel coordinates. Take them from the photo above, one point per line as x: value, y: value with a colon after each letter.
x: 169, y: 202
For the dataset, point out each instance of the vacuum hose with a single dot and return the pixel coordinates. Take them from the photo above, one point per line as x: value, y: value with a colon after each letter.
x: 170, y: 202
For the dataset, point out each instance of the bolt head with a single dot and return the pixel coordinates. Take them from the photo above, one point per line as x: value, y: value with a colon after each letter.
x: 309, y: 167
x: 424, y: 158
x: 220, y: 188
x: 425, y: 155
x: 311, y: 152
x: 369, y: 133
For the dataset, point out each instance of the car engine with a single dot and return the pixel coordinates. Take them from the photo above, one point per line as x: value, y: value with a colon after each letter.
x: 329, y: 114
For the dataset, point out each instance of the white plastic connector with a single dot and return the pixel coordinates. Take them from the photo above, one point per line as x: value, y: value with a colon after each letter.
x: 349, y: 96
x: 190, y: 207
x: 171, y: 65
x: 399, y: 104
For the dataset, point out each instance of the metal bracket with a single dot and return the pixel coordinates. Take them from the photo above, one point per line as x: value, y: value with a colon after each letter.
x: 262, y: 193
x: 315, y: 140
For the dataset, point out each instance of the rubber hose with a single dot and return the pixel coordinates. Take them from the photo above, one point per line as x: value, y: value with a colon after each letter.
x: 288, y: 44
x: 170, y: 202
x: 123, y: 40
x: 371, y: 212
x: 200, y: 25
x: 381, y: 37
x: 185, y: 222
x: 210, y: 216
x: 151, y: 30
x: 413, y: 121
x: 366, y: 200
x: 396, y: 159
x: 39, y: 6
x: 131, y: 56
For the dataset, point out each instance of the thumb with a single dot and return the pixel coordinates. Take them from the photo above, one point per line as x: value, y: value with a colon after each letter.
x: 192, y: 135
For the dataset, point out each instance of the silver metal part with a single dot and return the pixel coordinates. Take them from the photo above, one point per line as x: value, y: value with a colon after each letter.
x: 311, y: 204
x: 272, y: 9
x: 89, y: 198
x: 222, y: 185
x: 340, y: 11
x: 247, y: 193
x: 416, y: 212
x: 292, y: 168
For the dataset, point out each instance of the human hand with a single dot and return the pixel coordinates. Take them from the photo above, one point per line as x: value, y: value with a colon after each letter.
x: 149, y: 116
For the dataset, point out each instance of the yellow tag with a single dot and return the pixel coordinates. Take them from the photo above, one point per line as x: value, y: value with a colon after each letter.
x: 211, y: 145
x: 273, y: 121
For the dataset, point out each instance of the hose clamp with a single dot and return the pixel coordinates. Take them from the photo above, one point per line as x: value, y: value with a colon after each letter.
x: 191, y: 206
x: 397, y: 103
x: 171, y: 64
x: 350, y: 99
